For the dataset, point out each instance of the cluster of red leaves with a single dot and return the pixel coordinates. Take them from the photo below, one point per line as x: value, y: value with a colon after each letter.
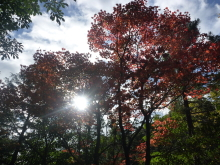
x: 40, y: 82
x: 160, y: 135
x: 162, y: 130
x: 141, y: 148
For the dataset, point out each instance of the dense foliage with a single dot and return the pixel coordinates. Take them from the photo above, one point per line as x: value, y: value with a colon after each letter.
x: 153, y: 60
x: 17, y: 15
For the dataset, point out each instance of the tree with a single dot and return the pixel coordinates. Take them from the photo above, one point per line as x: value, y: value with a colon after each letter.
x: 159, y: 57
x: 48, y: 86
x: 129, y: 36
x: 7, y: 144
x: 16, y: 15
x: 14, y: 127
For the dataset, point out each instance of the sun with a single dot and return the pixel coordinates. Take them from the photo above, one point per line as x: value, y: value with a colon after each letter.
x: 80, y: 102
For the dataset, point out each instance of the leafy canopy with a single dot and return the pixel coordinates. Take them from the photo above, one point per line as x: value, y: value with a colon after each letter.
x: 17, y: 15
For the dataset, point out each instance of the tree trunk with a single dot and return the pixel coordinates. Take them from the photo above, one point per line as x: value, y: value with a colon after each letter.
x: 20, y: 141
x: 123, y: 139
x: 44, y: 159
x: 190, y: 125
x: 188, y: 115
x: 88, y: 138
x: 96, y: 154
x: 79, y: 140
x: 148, y: 149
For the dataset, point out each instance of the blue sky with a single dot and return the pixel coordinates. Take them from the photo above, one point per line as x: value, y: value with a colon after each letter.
x: 72, y: 34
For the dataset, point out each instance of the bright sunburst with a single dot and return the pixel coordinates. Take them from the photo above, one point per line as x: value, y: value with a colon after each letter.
x: 80, y: 102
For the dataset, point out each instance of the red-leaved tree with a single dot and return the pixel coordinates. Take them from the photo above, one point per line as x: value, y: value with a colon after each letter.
x: 158, y: 57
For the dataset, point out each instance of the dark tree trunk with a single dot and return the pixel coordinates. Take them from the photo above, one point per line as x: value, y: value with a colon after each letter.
x: 148, y: 149
x: 79, y: 140
x: 190, y: 125
x: 44, y: 158
x: 88, y: 138
x: 20, y: 141
x: 123, y: 139
x: 188, y: 116
x: 96, y: 154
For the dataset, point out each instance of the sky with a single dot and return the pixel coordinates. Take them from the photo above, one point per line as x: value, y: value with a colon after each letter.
x: 45, y: 34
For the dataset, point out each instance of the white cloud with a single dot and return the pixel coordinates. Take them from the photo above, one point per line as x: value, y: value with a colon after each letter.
x: 207, y: 13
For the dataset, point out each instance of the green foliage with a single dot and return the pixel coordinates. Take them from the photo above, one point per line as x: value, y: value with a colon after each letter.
x: 17, y: 15
x: 213, y: 38
x: 202, y: 146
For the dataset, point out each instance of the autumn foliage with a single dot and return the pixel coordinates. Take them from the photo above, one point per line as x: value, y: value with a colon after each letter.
x: 153, y: 60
